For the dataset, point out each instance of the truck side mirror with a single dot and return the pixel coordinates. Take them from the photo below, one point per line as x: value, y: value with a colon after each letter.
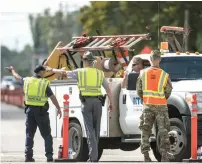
x: 132, y: 79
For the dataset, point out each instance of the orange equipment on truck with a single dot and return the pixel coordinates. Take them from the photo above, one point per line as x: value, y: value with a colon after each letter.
x: 118, y: 44
x: 175, y: 36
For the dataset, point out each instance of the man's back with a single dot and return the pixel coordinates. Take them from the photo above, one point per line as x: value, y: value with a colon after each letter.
x: 90, y: 81
x: 154, y: 81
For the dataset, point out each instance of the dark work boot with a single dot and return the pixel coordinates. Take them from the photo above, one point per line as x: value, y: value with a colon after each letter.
x: 146, y: 157
x: 49, y: 159
x: 89, y: 160
x: 29, y: 159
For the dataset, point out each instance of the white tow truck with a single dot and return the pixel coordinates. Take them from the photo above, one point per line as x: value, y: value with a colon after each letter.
x: 119, y: 128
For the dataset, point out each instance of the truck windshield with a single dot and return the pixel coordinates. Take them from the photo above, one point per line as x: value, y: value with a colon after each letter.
x: 182, y: 68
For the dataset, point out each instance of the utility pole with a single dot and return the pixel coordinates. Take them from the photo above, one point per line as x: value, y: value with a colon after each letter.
x: 186, y: 29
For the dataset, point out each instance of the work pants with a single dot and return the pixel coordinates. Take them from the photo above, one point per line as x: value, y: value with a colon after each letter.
x: 149, y: 116
x: 92, y: 112
x: 36, y: 116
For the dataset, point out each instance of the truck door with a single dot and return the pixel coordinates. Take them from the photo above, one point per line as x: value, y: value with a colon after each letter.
x: 130, y: 107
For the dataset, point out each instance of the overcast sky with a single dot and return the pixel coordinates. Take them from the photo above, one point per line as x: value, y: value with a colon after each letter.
x: 14, y: 24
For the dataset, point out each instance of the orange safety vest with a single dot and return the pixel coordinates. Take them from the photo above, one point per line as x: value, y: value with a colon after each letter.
x: 154, y: 81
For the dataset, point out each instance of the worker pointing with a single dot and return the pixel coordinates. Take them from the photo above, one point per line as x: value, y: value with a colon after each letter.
x: 37, y: 91
x: 154, y: 88
x: 90, y: 80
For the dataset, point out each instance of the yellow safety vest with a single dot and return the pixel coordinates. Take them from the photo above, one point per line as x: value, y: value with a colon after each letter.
x: 90, y: 81
x: 35, y: 91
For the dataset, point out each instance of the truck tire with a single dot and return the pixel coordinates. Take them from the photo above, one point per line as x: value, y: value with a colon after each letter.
x: 156, y: 153
x: 79, y: 144
x: 178, y: 140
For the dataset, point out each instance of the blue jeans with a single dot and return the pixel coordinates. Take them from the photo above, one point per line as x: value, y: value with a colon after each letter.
x: 37, y: 116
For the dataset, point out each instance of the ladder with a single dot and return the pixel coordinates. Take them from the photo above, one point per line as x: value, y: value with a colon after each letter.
x: 118, y: 44
x: 105, y: 43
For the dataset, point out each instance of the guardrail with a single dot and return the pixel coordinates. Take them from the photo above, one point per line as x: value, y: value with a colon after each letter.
x: 13, y: 97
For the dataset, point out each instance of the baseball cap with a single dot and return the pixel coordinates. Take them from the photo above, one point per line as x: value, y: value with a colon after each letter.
x: 137, y: 60
x: 89, y: 56
x: 156, y: 54
x: 39, y: 68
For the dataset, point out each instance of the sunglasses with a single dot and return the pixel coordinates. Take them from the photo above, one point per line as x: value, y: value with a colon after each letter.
x: 135, y: 64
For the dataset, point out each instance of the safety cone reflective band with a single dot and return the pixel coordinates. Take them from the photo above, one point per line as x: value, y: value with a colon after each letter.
x: 65, y: 113
x: 66, y: 109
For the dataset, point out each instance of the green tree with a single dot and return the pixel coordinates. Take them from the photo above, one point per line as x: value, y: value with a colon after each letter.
x: 20, y: 60
x: 47, y: 30
x: 126, y: 17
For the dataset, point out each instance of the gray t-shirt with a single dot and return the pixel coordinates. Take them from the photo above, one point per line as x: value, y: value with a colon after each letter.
x: 74, y: 75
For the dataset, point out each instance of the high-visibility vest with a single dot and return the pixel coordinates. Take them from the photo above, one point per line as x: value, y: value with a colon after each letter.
x: 90, y: 81
x: 35, y: 91
x: 154, y: 81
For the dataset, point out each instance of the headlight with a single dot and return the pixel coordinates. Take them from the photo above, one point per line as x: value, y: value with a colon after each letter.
x: 11, y: 87
x: 188, y: 98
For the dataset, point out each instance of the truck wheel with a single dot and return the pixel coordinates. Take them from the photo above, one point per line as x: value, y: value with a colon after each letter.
x: 79, y: 144
x: 178, y: 140
x: 156, y: 153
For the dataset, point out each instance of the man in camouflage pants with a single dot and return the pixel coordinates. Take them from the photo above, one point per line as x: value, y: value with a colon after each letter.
x: 154, y: 88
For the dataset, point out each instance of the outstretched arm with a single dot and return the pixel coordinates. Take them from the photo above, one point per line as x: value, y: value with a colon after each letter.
x: 73, y: 74
x: 57, y: 71
x: 16, y: 75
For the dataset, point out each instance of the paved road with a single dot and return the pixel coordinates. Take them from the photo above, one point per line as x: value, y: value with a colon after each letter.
x: 13, y: 135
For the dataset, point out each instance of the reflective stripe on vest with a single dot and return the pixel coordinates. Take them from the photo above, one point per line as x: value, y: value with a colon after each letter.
x: 90, y: 81
x: 35, y: 91
x: 154, y: 82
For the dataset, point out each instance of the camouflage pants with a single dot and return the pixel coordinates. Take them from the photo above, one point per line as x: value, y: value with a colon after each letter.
x: 147, y: 119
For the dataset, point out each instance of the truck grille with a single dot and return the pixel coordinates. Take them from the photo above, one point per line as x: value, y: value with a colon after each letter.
x: 199, y: 129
